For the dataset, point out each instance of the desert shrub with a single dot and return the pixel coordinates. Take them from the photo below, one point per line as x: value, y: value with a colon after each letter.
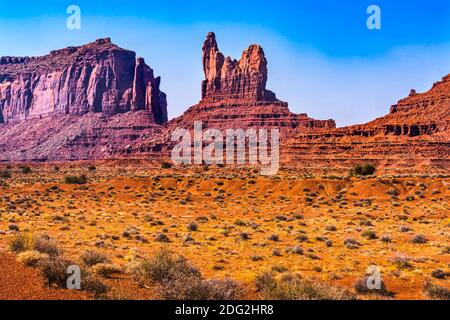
x: 54, y: 270
x: 164, y: 266
x: 435, y: 291
x: 5, y: 174
x: 244, y: 236
x: 92, y: 257
x: 174, y: 278
x: 256, y: 257
x: 82, y: 179
x: 94, y: 285
x: 25, y: 169
x: 46, y: 244
x: 161, y: 237
x: 297, y: 250
x: 362, y: 288
x: 21, y: 242
x: 369, y: 234
x: 419, y: 239
x: 351, y: 243
x: 293, y: 287
x: 26, y: 241
x: 166, y: 165
x: 438, y: 274
x: 31, y: 258
x: 402, y: 262
x: 195, y: 288
x: 13, y: 227
x: 192, y: 226
x: 404, y: 229
x: 105, y: 269
x: 363, y: 170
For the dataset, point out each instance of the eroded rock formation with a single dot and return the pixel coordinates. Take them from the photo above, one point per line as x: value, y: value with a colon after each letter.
x: 229, y: 79
x: 234, y: 94
x: 97, y: 77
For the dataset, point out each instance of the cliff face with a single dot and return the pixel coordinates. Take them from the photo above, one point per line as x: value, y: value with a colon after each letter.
x: 98, y: 77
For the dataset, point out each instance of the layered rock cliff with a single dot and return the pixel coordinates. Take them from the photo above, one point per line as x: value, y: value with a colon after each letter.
x: 98, y: 77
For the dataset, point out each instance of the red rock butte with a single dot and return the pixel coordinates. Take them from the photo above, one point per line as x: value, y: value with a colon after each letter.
x: 234, y: 94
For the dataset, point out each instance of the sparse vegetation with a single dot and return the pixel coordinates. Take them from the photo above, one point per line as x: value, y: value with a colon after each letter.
x: 92, y: 257
x: 5, y: 174
x: 81, y: 179
x: 293, y: 287
x: 26, y: 241
x: 435, y: 291
x: 25, y: 169
x: 363, y: 170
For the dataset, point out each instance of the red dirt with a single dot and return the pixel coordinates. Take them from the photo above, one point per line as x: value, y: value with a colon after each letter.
x: 18, y: 282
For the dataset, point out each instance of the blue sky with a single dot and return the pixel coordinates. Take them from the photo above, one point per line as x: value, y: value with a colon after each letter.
x: 322, y: 58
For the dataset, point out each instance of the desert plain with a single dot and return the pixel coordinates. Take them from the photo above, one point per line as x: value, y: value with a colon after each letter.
x: 230, y: 223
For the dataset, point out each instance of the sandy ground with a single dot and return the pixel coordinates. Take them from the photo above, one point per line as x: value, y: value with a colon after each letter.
x: 277, y: 213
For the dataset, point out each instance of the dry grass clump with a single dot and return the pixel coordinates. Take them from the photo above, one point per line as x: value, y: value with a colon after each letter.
x: 435, y: 291
x: 361, y: 287
x: 92, y: 257
x: 54, y: 270
x: 31, y: 258
x: 94, y: 285
x: 163, y: 266
x: 105, y: 269
x: 26, y: 241
x: 196, y: 288
x: 293, y: 287
x: 176, y: 279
